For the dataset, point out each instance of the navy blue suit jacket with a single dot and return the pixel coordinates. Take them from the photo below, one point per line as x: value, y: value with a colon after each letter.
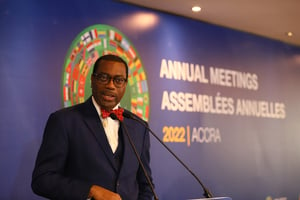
x: 75, y: 154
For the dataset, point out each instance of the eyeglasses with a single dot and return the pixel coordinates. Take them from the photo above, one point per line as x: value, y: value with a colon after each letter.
x: 104, y: 79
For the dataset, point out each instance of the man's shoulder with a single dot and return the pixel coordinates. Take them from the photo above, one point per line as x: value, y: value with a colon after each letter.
x: 74, y: 109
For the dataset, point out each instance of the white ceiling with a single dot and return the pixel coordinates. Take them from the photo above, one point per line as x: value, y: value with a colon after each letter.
x: 268, y: 18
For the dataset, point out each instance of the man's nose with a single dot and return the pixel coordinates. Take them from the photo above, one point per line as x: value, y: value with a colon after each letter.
x: 111, y: 83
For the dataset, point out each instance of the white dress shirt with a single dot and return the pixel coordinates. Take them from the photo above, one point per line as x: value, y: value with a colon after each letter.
x: 111, y: 127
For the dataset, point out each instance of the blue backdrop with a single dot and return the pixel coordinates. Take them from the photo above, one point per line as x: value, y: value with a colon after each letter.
x: 224, y: 101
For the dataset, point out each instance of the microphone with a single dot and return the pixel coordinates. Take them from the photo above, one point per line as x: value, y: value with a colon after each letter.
x: 114, y: 117
x: 129, y: 115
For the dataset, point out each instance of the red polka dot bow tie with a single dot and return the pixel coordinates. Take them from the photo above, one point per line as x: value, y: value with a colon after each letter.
x: 118, y: 112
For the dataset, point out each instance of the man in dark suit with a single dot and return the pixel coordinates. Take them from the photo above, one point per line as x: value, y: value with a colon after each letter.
x: 85, y: 155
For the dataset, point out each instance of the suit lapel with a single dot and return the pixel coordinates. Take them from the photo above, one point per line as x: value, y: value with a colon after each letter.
x: 93, y: 122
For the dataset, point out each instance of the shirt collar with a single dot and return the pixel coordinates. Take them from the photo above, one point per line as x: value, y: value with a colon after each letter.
x: 98, y: 108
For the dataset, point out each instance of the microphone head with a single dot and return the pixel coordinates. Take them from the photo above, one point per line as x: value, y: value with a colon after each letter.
x: 113, y: 116
x: 127, y: 114
x: 130, y: 115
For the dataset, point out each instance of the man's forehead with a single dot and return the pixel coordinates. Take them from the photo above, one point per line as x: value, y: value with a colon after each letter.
x: 107, y: 66
x: 109, y: 62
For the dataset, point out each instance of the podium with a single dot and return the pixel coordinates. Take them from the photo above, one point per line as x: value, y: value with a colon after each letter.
x: 214, y: 198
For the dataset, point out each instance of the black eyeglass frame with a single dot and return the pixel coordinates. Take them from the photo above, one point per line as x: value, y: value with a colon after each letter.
x: 104, y: 78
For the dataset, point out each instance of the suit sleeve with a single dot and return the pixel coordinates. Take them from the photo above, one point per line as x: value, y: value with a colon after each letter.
x: 48, y: 178
x: 145, y: 192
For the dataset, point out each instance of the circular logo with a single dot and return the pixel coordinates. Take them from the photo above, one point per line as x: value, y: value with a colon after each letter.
x: 85, y: 49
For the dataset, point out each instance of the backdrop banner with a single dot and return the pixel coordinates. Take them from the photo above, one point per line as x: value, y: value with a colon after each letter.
x: 225, y: 102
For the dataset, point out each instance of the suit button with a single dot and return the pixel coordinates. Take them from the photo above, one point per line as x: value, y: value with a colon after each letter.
x: 118, y: 184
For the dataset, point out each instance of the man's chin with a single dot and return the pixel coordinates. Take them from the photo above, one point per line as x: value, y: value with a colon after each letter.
x: 108, y: 105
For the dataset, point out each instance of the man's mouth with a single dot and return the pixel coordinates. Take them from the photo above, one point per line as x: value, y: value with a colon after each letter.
x: 108, y: 97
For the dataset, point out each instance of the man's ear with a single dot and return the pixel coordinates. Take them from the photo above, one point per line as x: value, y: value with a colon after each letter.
x: 92, y: 81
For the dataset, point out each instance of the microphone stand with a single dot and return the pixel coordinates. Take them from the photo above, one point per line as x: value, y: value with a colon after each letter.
x: 206, y: 193
x: 114, y: 117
